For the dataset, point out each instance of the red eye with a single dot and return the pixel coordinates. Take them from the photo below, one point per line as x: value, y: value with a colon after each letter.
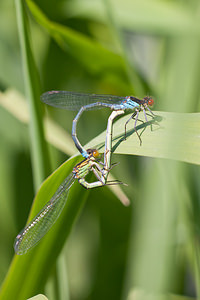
x: 150, y: 102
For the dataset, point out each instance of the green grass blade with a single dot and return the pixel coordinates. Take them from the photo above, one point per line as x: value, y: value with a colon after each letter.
x: 40, y: 161
x: 91, y: 54
x: 63, y: 278
x: 176, y: 137
x: 15, y: 103
x: 28, y: 273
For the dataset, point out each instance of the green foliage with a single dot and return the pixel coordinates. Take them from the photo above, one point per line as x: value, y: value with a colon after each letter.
x: 172, y: 136
x: 38, y: 259
x: 38, y: 146
x: 149, y: 250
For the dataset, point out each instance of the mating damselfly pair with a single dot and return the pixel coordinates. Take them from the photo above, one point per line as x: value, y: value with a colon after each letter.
x: 44, y: 220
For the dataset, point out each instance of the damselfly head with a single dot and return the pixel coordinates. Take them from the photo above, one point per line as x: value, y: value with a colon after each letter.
x: 149, y: 101
x: 93, y: 153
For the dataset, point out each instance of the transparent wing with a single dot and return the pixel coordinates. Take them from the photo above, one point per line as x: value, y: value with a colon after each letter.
x: 74, y: 101
x: 43, y: 221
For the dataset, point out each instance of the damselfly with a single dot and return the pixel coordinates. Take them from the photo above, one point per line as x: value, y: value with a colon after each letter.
x: 79, y: 101
x: 44, y: 220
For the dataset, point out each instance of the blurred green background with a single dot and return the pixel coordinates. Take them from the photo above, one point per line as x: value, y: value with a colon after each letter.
x: 149, y: 250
